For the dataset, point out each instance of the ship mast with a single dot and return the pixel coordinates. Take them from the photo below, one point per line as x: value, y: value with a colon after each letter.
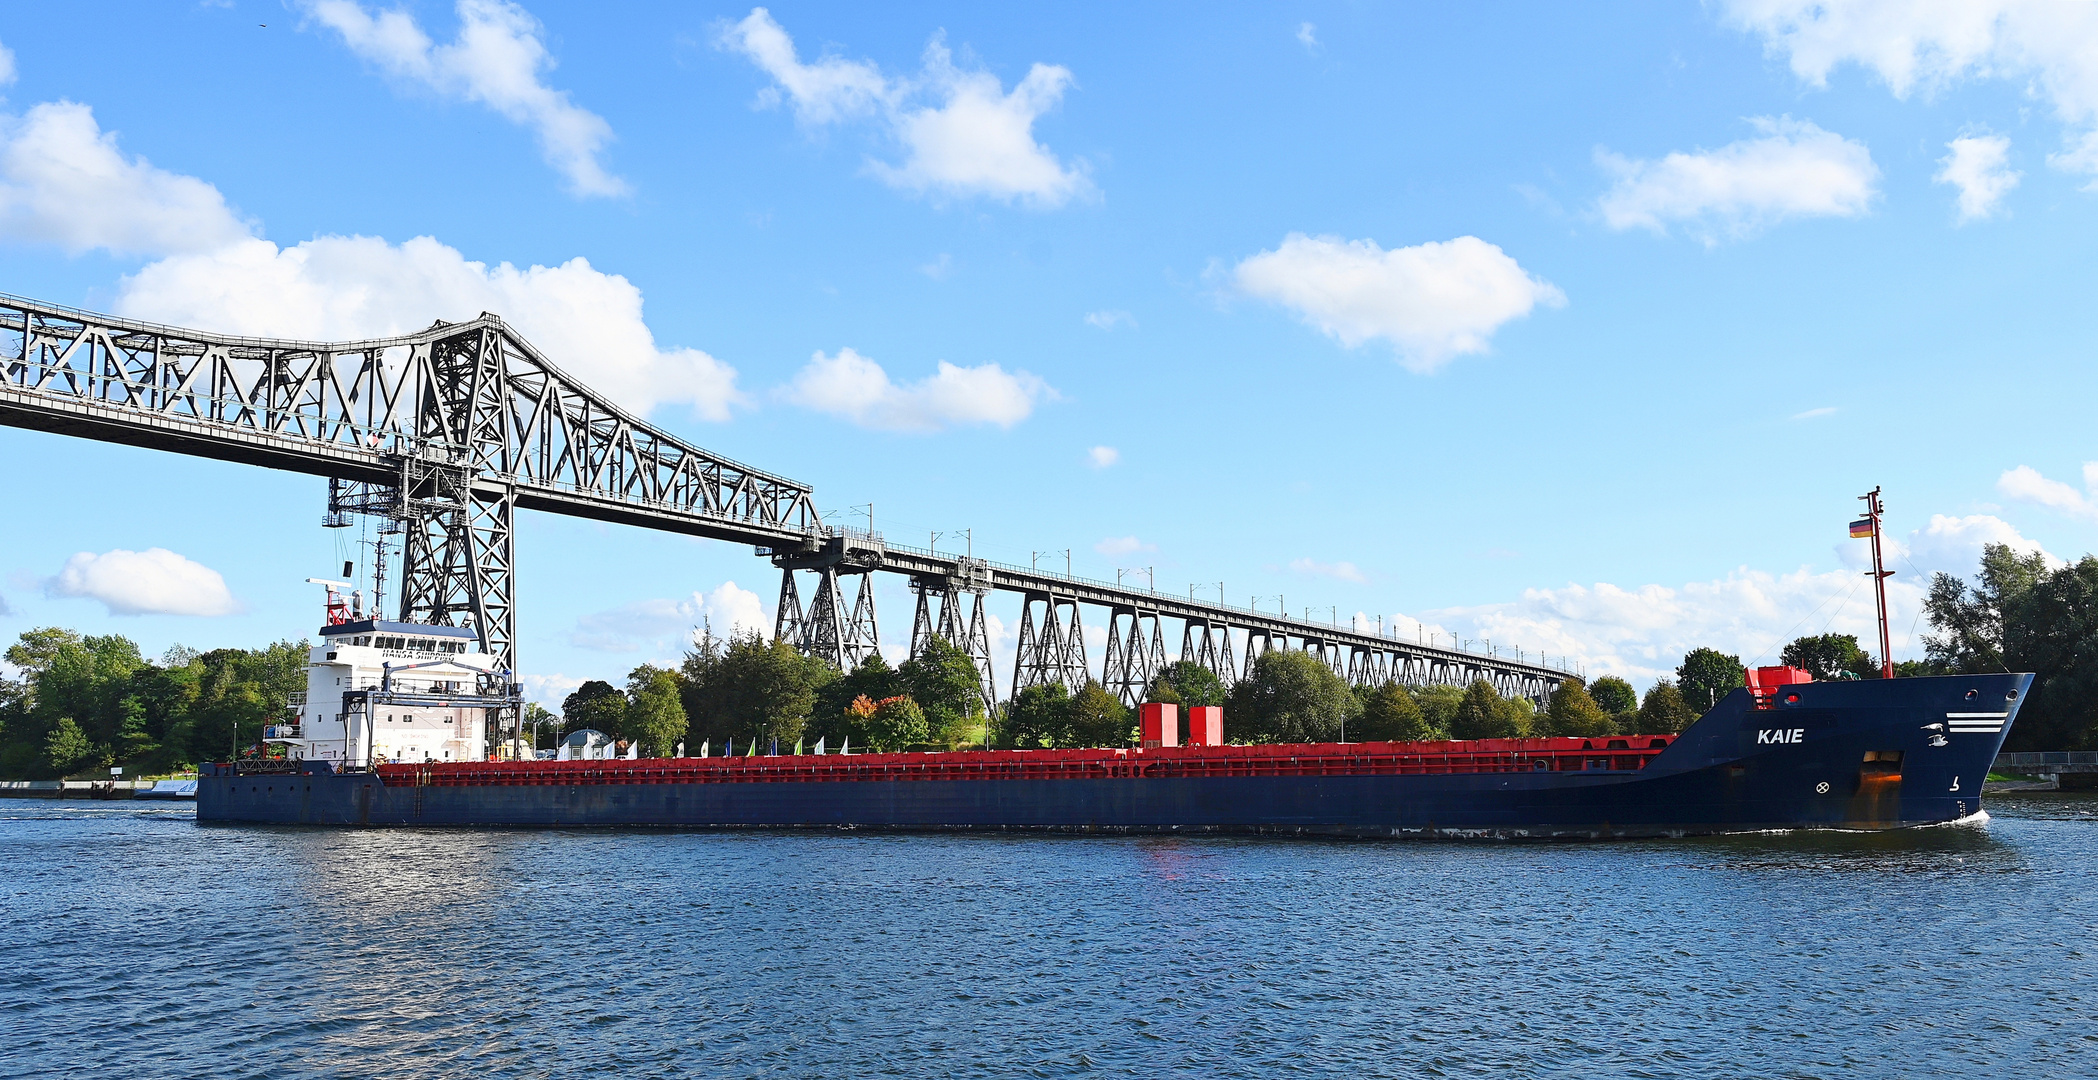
x: 1879, y: 583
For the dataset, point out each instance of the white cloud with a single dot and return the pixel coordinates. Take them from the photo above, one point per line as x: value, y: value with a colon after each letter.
x: 4, y: 609
x: 961, y: 132
x: 550, y: 690
x: 1102, y: 456
x: 1433, y: 302
x: 155, y: 581
x: 342, y: 287
x: 1308, y: 35
x: 7, y: 66
x: 1815, y: 414
x: 1345, y: 571
x: 731, y: 609
x: 63, y: 181
x: 1979, y: 167
x: 1115, y: 547
x: 2025, y: 484
x: 939, y: 268
x: 828, y: 90
x: 1642, y: 633
x: 2049, y: 48
x: 1950, y: 545
x: 1794, y: 170
x: 1108, y: 320
x: 856, y: 388
x: 497, y: 60
x: 663, y: 627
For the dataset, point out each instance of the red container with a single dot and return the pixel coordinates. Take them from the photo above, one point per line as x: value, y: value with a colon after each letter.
x: 1205, y: 725
x: 1161, y: 724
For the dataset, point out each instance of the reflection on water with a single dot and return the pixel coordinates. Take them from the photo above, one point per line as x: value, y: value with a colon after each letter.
x: 150, y: 946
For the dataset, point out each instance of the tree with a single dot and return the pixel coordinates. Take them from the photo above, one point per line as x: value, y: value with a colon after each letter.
x: 1615, y: 696
x: 1831, y: 656
x: 1290, y: 697
x: 1664, y: 712
x: 66, y: 748
x: 1186, y: 684
x: 1706, y: 676
x: 1097, y: 718
x: 540, y: 722
x: 835, y: 715
x: 1438, y: 706
x: 134, y: 737
x: 2022, y: 616
x: 1574, y: 714
x: 751, y: 690
x: 1482, y: 715
x: 1039, y: 717
x: 655, y: 717
x: 1970, y: 624
x: 895, y: 724
x: 1389, y: 714
x: 2051, y: 630
x: 943, y: 682
x: 596, y: 705
x: 1519, y: 715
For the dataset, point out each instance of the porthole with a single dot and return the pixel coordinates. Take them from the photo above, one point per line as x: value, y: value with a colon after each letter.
x: 2011, y: 696
x: 1972, y: 694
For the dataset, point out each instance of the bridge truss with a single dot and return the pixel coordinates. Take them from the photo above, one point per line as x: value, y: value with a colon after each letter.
x: 447, y: 432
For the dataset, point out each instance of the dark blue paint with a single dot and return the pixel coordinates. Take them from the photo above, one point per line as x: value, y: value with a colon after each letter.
x: 1717, y: 778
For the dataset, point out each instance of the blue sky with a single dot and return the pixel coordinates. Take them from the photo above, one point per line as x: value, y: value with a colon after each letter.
x: 1576, y: 328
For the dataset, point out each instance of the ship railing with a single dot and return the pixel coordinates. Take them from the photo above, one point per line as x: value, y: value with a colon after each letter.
x: 1360, y: 759
x: 2038, y: 759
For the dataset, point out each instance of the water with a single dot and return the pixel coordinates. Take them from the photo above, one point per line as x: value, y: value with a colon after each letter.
x: 136, y: 943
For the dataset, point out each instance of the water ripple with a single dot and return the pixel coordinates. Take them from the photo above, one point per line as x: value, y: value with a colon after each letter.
x: 139, y: 943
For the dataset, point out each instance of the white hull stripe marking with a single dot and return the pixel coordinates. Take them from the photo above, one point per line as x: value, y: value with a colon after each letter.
x: 1976, y: 715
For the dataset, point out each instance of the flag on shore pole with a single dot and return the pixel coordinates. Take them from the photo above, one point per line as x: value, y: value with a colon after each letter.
x: 797, y: 748
x: 1861, y: 528
x: 819, y: 746
x: 703, y: 748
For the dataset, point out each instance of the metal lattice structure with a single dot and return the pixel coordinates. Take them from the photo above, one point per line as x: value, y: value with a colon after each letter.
x: 446, y: 433
x: 460, y: 425
x: 939, y: 617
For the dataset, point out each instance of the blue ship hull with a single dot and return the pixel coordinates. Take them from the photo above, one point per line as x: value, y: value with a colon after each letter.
x: 1881, y: 754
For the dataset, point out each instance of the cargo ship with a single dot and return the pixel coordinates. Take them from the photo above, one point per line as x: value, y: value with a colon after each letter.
x: 392, y: 732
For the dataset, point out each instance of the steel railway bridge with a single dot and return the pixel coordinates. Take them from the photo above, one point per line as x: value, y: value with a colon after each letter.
x: 446, y: 433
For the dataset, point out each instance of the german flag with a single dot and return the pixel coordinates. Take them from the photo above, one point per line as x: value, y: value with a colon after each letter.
x: 1861, y: 528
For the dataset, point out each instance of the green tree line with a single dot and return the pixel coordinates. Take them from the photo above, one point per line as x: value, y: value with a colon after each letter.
x: 745, y: 691
x: 2020, y: 615
x: 82, y: 704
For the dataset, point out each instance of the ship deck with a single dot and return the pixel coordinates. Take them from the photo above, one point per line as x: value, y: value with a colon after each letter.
x: 1622, y: 753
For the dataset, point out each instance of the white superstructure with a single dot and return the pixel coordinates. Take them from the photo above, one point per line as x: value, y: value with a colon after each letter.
x: 379, y: 692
